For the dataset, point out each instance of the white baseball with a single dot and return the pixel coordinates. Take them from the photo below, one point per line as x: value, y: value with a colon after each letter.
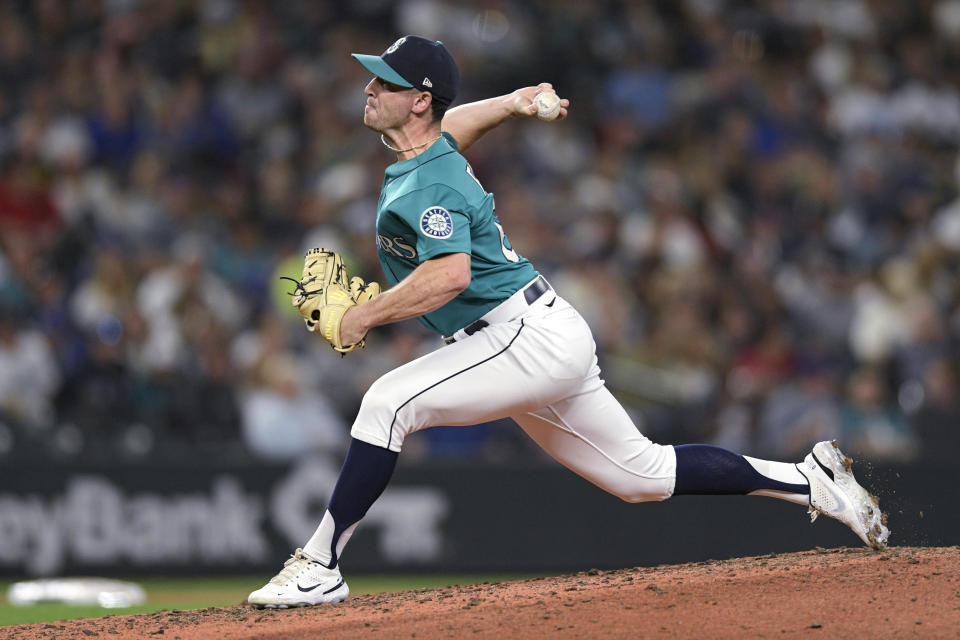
x: 548, y: 105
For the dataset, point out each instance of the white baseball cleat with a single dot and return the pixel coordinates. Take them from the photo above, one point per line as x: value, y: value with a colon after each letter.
x: 303, y: 582
x: 835, y: 492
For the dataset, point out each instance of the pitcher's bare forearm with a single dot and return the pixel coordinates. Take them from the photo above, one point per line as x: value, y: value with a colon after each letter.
x: 430, y: 286
x: 468, y: 122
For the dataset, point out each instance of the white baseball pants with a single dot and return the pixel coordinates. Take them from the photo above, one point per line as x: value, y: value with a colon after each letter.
x: 539, y: 368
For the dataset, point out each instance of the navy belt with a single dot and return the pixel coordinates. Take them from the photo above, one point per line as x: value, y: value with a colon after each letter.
x: 531, y: 294
x: 536, y: 289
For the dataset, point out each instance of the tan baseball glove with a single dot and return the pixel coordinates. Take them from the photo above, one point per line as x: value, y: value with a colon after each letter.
x: 323, y: 295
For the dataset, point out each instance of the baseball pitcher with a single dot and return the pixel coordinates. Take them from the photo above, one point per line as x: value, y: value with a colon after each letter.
x: 513, y: 346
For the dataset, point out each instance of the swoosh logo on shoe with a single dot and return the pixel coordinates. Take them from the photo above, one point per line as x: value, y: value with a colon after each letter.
x: 308, y: 589
x: 334, y: 587
x: 826, y: 470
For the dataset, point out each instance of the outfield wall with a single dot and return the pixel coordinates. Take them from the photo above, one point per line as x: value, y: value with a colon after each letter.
x: 203, y: 517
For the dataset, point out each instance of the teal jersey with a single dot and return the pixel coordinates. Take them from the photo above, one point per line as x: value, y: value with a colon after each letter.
x: 432, y: 205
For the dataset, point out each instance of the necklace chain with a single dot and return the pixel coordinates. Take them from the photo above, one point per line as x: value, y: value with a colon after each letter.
x: 387, y: 144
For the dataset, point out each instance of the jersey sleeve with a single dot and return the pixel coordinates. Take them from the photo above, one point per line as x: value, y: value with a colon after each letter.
x: 439, y: 217
x: 451, y: 140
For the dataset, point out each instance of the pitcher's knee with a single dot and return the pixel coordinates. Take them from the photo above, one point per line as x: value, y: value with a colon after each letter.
x: 644, y: 490
x: 649, y: 476
x: 375, y: 407
x: 377, y: 421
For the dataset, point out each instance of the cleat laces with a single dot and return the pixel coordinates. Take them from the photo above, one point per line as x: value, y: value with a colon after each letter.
x: 291, y: 567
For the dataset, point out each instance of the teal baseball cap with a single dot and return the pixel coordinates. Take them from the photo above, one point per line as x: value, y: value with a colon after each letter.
x: 416, y: 62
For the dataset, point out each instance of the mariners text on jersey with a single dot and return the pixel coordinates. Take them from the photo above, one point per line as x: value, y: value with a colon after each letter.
x: 432, y: 205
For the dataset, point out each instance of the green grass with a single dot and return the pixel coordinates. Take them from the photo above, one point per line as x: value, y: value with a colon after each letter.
x: 198, y: 593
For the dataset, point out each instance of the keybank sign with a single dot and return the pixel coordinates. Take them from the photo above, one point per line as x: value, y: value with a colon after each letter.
x: 95, y: 521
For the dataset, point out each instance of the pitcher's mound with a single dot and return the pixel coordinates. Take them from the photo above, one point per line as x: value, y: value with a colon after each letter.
x: 832, y: 593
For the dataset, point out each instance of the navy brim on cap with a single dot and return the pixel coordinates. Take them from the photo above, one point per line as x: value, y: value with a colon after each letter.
x: 379, y: 68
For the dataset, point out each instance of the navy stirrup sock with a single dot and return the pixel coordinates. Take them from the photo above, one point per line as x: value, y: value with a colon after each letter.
x: 703, y: 469
x: 365, y: 474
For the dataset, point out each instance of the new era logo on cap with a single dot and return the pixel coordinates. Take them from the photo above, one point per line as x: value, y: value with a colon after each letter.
x: 426, y: 82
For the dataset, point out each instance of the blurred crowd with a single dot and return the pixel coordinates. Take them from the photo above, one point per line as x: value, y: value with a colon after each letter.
x: 755, y: 206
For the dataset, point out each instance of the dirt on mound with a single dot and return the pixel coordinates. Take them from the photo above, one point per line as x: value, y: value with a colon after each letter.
x: 847, y: 593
